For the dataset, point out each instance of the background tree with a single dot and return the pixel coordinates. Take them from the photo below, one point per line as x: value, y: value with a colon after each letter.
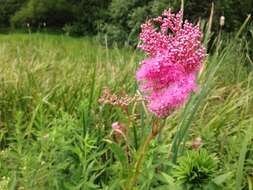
x: 7, y: 9
x: 55, y: 13
x: 119, y: 20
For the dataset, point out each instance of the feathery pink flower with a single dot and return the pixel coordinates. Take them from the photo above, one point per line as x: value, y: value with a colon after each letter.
x: 175, y: 55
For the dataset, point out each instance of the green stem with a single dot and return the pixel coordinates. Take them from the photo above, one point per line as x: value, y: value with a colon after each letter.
x: 143, y: 149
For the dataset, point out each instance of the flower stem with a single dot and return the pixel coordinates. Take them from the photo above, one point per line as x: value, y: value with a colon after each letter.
x: 137, y: 166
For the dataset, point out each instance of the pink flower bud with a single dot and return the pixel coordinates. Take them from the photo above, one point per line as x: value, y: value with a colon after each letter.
x: 118, y: 130
x: 116, y: 126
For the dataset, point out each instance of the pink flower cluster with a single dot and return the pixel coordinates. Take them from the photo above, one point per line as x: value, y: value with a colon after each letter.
x: 175, y: 55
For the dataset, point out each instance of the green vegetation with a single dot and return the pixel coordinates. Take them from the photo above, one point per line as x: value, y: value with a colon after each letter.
x: 119, y: 20
x: 56, y: 135
x: 195, y: 169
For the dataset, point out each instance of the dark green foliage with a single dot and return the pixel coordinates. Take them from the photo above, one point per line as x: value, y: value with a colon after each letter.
x: 79, y: 17
x: 35, y: 12
x: 88, y: 14
x: 235, y: 11
x: 127, y: 16
x: 120, y: 20
x: 117, y: 29
x: 7, y: 9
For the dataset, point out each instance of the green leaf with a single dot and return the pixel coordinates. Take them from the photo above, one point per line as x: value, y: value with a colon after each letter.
x: 119, y: 153
x: 171, y: 184
x: 213, y: 186
x: 243, y: 152
x: 168, y: 179
x: 222, y: 178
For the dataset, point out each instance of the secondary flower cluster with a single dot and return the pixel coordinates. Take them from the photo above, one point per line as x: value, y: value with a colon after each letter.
x: 122, y: 102
x: 175, y: 55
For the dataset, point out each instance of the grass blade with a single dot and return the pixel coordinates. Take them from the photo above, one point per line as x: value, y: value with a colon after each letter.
x: 239, y: 173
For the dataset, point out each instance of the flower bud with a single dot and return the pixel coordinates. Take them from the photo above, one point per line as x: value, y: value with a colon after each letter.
x: 118, y: 130
x: 117, y: 127
x: 197, y: 143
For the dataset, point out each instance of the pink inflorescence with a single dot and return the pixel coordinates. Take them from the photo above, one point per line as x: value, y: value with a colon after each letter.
x: 175, y: 55
x: 117, y: 127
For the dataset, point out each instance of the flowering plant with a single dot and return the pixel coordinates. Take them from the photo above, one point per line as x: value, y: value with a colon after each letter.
x: 175, y: 55
x: 169, y: 74
x: 166, y: 78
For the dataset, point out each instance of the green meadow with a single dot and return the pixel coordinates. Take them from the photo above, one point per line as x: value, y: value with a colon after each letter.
x: 54, y: 133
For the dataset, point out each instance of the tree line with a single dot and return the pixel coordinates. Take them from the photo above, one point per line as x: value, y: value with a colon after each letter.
x: 119, y: 19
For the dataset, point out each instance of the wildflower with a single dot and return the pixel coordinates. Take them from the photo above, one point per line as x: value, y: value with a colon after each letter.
x: 175, y: 56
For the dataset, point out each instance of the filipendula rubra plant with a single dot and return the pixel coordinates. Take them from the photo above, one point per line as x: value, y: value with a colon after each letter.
x: 168, y: 75
x: 175, y: 55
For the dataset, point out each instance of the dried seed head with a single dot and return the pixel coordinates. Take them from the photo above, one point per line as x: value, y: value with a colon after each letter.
x: 197, y: 143
x: 123, y: 101
x: 46, y: 136
x: 222, y: 21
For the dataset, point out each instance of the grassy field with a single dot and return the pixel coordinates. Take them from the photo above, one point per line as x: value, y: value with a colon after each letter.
x: 55, y: 135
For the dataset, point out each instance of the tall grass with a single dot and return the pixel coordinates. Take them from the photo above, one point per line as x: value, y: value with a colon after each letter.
x: 55, y: 135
